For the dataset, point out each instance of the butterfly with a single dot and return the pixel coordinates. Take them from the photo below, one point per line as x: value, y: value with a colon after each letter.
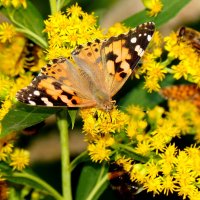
x: 101, y: 68
x: 183, y: 92
x: 190, y: 36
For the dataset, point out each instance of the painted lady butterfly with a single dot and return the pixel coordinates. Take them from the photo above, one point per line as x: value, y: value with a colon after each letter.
x: 182, y: 93
x: 102, y: 68
x: 191, y: 36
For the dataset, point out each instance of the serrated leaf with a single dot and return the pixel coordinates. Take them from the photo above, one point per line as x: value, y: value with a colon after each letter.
x: 29, y: 21
x: 170, y: 10
x: 91, y: 173
x: 22, y: 116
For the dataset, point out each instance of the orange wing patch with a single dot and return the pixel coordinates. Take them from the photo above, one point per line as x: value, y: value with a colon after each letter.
x: 182, y: 93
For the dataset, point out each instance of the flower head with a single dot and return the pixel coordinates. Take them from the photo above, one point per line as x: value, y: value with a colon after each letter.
x: 154, y: 6
x: 7, y: 32
x: 67, y: 30
x: 19, y: 159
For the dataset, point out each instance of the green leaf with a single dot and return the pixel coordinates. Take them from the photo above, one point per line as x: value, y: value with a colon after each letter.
x: 62, y: 3
x: 72, y: 114
x: 170, y: 10
x: 89, y: 178
x: 139, y: 96
x: 28, y: 21
x: 28, y: 178
x: 10, y: 176
x: 22, y: 116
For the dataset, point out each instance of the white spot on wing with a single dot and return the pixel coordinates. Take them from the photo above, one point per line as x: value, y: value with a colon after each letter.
x: 139, y: 50
x: 46, y: 101
x: 133, y: 40
x: 36, y: 93
x: 32, y: 103
x: 149, y: 38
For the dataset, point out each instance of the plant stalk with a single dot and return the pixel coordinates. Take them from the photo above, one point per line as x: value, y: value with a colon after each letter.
x: 65, y: 154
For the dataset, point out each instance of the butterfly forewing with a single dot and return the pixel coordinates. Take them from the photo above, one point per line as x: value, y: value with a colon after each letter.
x: 58, y: 84
x: 121, y: 54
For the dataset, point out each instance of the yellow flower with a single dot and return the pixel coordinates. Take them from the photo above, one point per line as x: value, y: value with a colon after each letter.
x: 67, y: 30
x: 5, y: 84
x: 7, y: 32
x: 99, y: 151
x: 153, y: 185
x: 143, y: 148
x: 10, y: 56
x: 15, y: 3
x: 151, y: 84
x: 116, y: 29
x: 3, y: 156
x: 169, y: 185
x: 19, y: 159
x: 74, y: 10
x: 5, y: 107
x: 155, y: 114
x: 100, y: 122
x: 127, y: 163
x: 180, y: 71
x: 154, y: 6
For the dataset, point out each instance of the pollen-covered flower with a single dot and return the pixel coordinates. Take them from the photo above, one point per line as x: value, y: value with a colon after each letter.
x: 67, y: 30
x: 99, y: 151
x: 14, y: 3
x: 116, y: 29
x: 98, y: 122
x: 154, y: 6
x: 19, y: 159
x: 7, y: 32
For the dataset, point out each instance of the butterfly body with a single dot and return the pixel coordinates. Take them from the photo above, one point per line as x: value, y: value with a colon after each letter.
x: 101, y: 68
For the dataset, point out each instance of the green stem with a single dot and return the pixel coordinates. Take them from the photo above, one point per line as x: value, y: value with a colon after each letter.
x: 40, y: 40
x: 97, y: 187
x: 41, y: 182
x: 134, y: 155
x: 53, y: 6
x: 65, y: 154
x: 81, y: 157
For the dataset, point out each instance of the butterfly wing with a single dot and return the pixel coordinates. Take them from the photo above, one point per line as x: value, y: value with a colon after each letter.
x: 112, y: 61
x: 59, y: 84
x: 121, y: 54
x: 102, y: 68
x: 180, y: 92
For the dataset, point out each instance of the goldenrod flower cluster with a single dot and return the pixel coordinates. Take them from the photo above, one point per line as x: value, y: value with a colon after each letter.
x: 169, y: 55
x: 143, y: 144
x: 67, y: 30
x: 14, y: 3
x: 18, y: 159
x: 101, y: 129
x: 154, y: 7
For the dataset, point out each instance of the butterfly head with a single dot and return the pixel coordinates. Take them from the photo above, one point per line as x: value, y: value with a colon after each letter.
x: 107, y: 105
